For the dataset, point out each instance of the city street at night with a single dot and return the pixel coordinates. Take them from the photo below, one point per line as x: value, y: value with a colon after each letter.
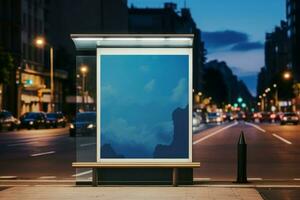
x: 200, y: 94
x: 47, y: 154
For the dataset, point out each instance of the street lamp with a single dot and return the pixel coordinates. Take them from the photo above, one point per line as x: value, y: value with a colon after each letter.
x: 40, y: 42
x: 276, y: 97
x: 287, y: 75
x: 84, y: 71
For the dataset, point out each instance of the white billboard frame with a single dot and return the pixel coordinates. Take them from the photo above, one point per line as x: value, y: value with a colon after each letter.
x: 144, y: 51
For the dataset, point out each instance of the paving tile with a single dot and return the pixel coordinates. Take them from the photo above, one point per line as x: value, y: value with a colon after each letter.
x: 130, y: 193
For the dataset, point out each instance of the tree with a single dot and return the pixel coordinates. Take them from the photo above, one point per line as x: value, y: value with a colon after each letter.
x: 215, y: 86
x: 6, y: 66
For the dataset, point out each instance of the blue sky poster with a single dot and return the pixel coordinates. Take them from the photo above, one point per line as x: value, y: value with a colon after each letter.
x: 144, y: 106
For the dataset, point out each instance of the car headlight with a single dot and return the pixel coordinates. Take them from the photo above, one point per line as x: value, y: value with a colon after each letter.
x: 31, y: 122
x: 90, y: 126
x: 71, y: 126
x: 284, y: 118
x: 295, y: 118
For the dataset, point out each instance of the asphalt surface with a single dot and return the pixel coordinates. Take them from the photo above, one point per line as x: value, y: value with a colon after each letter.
x: 47, y: 154
x: 273, y: 151
x: 279, y: 193
x: 37, y: 154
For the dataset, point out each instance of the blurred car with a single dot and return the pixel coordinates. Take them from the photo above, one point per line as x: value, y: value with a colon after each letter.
x: 196, y: 119
x: 274, y: 117
x: 265, y: 117
x: 8, y: 121
x: 56, y: 119
x: 33, y: 120
x: 241, y: 116
x: 227, y: 116
x: 83, y: 124
x: 289, y: 118
x: 214, y: 117
x: 256, y: 117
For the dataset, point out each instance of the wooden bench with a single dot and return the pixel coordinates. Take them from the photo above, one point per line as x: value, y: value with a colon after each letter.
x: 171, y: 165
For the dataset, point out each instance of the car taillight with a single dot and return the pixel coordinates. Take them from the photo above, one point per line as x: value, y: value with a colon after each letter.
x: 273, y: 116
x: 295, y: 118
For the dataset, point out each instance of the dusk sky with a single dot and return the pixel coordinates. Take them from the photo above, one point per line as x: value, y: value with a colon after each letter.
x: 244, y: 22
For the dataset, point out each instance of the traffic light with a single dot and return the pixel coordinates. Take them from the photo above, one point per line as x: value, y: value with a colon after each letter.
x: 240, y: 99
x: 244, y: 105
x: 28, y: 82
x: 235, y: 105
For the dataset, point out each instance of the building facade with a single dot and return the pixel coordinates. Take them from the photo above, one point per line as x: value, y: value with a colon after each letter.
x: 234, y: 87
x: 28, y: 90
x: 276, y: 51
x: 169, y: 20
x: 293, y: 21
x: 83, y: 17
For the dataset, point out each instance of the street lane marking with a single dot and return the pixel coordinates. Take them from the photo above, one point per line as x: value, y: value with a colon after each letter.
x: 216, y: 132
x: 47, y: 177
x: 255, y: 126
x: 21, y: 144
x: 281, y: 138
x: 87, y: 144
x: 254, y: 179
x: 8, y: 177
x: 201, y: 179
x: 82, y: 173
x: 42, y: 154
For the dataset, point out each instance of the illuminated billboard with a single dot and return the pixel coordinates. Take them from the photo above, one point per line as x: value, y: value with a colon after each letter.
x: 144, y: 104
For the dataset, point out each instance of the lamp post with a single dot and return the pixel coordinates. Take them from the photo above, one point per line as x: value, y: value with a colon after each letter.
x: 276, y: 97
x: 199, y: 95
x: 84, y: 71
x: 287, y: 75
x: 261, y: 103
x: 264, y: 101
x: 41, y: 42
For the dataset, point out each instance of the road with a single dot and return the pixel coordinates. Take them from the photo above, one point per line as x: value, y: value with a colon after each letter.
x: 47, y: 154
x: 37, y: 154
x: 273, y: 151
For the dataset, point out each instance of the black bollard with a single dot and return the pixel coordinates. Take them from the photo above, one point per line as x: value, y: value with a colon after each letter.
x: 242, y: 160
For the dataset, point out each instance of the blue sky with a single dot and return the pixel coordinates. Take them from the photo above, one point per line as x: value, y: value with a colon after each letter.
x: 246, y: 22
x: 137, y: 83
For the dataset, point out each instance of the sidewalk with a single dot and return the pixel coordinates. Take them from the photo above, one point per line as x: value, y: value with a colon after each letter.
x: 130, y: 193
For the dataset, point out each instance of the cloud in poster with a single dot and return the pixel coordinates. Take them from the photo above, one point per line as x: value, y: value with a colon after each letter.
x: 144, y: 68
x: 179, y: 90
x: 108, y: 90
x: 150, y: 86
x: 121, y: 133
x: 138, y: 101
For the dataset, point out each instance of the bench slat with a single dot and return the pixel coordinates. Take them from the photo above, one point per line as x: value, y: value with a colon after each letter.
x: 135, y: 165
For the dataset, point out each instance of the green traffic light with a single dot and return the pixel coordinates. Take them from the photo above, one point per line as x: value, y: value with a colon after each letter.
x: 240, y: 99
x: 29, y: 82
x: 244, y: 105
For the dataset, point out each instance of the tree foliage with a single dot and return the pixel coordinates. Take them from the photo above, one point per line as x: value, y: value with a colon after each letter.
x: 215, y: 86
x: 6, y: 66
